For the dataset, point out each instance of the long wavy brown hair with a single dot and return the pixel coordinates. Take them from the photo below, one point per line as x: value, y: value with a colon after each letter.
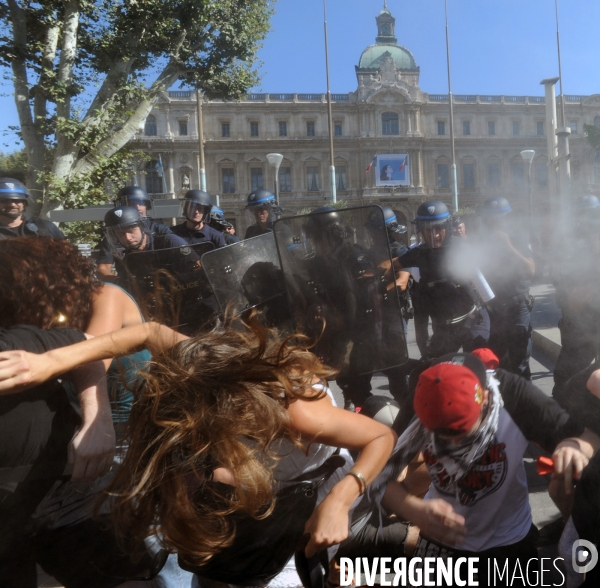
x: 45, y: 283
x: 216, y: 400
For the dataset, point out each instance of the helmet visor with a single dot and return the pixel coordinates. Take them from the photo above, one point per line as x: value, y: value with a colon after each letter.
x: 128, y: 237
x: 432, y: 234
x: 193, y: 211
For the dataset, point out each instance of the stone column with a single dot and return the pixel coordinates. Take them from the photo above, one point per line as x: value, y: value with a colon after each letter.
x: 168, y: 134
x: 170, y: 175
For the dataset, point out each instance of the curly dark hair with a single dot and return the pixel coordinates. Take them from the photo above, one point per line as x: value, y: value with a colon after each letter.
x: 216, y: 400
x: 45, y: 283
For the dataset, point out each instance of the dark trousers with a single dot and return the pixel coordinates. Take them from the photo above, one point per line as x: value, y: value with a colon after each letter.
x: 471, y: 333
x: 510, y: 335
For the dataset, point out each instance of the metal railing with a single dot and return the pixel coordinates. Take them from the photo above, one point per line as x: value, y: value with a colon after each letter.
x: 180, y: 93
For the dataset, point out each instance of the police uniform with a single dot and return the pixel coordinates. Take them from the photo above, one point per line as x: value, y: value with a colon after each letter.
x: 456, y: 319
x: 257, y: 230
x: 510, y: 310
x: 106, y: 257
x: 32, y: 227
x: 206, y: 233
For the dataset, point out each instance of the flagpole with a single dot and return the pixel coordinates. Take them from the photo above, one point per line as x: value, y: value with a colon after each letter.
x: 201, y: 163
x: 162, y: 173
x: 331, y: 154
x: 454, y: 180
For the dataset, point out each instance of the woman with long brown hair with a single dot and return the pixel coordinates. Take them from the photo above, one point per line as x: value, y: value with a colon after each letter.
x: 225, y: 429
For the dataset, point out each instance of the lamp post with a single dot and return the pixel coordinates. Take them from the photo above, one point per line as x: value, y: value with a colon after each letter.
x: 528, y: 155
x: 275, y: 160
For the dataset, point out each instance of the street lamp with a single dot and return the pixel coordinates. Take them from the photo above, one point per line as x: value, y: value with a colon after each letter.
x: 528, y: 155
x: 275, y: 160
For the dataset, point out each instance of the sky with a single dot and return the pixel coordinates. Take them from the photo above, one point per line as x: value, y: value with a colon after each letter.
x: 497, y: 47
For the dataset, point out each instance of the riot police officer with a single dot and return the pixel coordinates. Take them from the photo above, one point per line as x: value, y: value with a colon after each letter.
x: 217, y: 221
x: 576, y: 278
x: 137, y: 198
x: 14, y: 198
x: 263, y: 212
x: 507, y: 263
x: 195, y: 207
x: 446, y: 292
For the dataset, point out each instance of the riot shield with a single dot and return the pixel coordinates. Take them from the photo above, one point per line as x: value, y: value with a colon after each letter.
x: 248, y: 275
x: 170, y: 285
x: 341, y: 286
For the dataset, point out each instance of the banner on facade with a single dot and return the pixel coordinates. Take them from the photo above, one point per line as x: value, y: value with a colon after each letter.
x: 392, y: 169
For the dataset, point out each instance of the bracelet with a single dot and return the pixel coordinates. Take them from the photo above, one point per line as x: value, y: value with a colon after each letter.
x: 360, y: 478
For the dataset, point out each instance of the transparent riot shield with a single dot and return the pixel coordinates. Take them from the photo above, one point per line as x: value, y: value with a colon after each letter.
x: 341, y: 285
x: 248, y: 275
x: 171, y: 287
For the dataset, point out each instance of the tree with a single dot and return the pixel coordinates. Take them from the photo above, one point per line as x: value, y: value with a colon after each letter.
x: 593, y: 135
x: 14, y: 165
x: 87, y: 73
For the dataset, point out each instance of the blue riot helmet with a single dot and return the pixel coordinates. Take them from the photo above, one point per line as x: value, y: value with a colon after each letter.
x: 125, y: 228
x: 588, y: 203
x: 195, y: 206
x: 11, y: 189
x: 262, y: 208
x: 434, y: 223
x: 495, y: 211
x: 217, y: 220
x: 326, y: 226
x: 133, y: 196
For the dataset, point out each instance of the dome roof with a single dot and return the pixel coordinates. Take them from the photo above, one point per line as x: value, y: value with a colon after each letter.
x: 373, y: 56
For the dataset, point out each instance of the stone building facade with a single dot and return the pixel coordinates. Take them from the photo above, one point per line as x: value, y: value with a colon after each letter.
x: 387, y: 113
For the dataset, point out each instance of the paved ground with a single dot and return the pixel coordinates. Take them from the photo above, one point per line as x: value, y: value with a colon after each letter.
x: 546, y: 346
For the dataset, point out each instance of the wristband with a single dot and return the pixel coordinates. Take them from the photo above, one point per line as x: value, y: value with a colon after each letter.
x: 360, y: 478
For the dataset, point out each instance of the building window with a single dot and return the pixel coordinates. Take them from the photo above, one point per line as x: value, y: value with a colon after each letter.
x: 516, y: 171
x: 337, y: 128
x: 443, y: 173
x: 340, y: 178
x: 154, y: 181
x: 225, y: 130
x: 516, y: 128
x: 494, y: 174
x: 228, y: 178
x: 597, y: 121
x: 150, y: 126
x: 254, y: 129
x: 491, y: 127
x: 540, y: 128
x: 282, y: 128
x: 310, y: 128
x: 183, y: 131
x: 441, y: 127
x: 285, y: 179
x: 389, y: 124
x: 256, y: 178
x: 541, y: 173
x: 468, y: 175
x: 466, y: 127
x: 312, y: 179
x: 573, y: 125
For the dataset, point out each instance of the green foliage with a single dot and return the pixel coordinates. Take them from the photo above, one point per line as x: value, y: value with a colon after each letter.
x: 13, y: 165
x: 90, y: 71
x: 592, y: 133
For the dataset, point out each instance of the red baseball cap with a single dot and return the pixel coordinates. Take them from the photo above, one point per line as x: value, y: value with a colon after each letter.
x: 448, y: 396
x: 488, y: 357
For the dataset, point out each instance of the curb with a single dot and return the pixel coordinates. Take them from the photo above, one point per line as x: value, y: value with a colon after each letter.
x: 548, y: 346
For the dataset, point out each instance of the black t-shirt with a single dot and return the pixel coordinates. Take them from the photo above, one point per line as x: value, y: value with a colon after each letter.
x: 32, y: 227
x: 37, y: 425
x: 207, y: 233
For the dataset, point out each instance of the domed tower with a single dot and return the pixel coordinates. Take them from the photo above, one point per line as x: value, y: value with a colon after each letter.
x: 386, y: 62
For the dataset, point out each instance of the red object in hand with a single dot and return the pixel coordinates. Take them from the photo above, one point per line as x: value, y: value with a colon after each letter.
x: 545, y: 465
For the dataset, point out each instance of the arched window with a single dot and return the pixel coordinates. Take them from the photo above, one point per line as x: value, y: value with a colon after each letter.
x: 389, y: 123
x: 150, y: 126
x: 154, y: 181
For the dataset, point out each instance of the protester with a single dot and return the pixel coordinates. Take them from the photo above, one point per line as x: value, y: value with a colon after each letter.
x: 230, y: 448
x: 474, y: 428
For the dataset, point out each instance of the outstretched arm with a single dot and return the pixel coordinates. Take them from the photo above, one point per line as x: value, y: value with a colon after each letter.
x: 20, y: 370
x: 319, y: 420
